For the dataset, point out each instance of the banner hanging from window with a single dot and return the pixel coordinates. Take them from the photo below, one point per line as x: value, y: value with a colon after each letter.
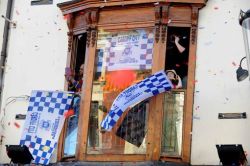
x: 44, y: 121
x: 151, y: 86
x: 130, y: 50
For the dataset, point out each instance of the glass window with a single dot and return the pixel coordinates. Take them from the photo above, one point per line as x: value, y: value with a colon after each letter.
x: 177, y: 56
x: 71, y: 131
x: 122, y: 59
x: 74, y: 77
x: 173, y: 123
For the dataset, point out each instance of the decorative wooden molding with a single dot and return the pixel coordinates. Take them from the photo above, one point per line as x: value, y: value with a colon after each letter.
x: 164, y: 22
x: 193, y: 33
x: 163, y: 33
x: 70, y: 21
x: 194, y: 23
x: 70, y: 40
x: 94, y: 17
x: 92, y: 21
x: 88, y: 17
x: 93, y: 37
x: 157, y: 23
x: 75, y: 6
x: 164, y: 18
x: 88, y: 37
x: 157, y: 33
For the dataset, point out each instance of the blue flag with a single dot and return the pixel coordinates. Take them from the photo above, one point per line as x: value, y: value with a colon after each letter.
x: 44, y: 121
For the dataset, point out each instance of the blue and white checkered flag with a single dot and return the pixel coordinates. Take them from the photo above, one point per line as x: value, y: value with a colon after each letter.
x: 151, y: 86
x: 44, y: 121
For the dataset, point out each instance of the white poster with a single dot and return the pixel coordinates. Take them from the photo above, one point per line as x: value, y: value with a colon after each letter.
x: 128, y: 50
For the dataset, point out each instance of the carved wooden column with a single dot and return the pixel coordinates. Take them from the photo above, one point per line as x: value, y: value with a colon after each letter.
x: 164, y: 22
x: 190, y: 86
x: 194, y: 23
x: 91, y: 18
x: 94, y: 21
x: 157, y: 23
x: 70, y: 23
x: 88, y: 21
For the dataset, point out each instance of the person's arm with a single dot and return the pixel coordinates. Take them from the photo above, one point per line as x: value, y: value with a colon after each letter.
x: 180, y: 48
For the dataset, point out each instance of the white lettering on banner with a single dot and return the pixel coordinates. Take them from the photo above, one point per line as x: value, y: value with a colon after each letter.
x: 55, y: 127
x: 34, y: 120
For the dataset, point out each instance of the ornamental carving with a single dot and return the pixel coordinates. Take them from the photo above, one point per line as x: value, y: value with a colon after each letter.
x: 94, y: 37
x: 70, y: 40
x: 157, y: 23
x: 88, y: 37
x: 194, y: 17
x: 164, y: 22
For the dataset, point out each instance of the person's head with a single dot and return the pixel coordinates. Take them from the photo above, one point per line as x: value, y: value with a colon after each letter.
x: 171, y: 74
x: 174, y: 78
x: 81, y: 70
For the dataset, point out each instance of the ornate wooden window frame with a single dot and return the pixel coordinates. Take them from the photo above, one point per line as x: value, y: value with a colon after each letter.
x: 89, y: 16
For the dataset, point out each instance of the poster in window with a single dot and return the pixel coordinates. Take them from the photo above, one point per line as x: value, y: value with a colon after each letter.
x: 128, y: 50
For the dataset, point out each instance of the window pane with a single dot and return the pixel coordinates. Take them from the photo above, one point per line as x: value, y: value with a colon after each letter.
x: 177, y: 55
x: 173, y: 123
x: 74, y: 76
x: 72, y: 127
x: 122, y: 59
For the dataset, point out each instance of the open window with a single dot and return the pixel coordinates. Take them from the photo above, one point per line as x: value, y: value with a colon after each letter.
x: 177, y: 56
x: 71, y: 123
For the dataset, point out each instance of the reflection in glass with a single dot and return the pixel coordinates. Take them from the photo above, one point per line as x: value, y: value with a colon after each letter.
x: 173, y: 123
x: 122, y: 59
x: 71, y: 130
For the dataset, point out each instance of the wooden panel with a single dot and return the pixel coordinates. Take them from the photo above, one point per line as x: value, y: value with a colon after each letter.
x: 85, y: 103
x: 180, y: 14
x: 126, y: 16
x: 70, y: 7
x: 80, y: 21
x: 156, y: 106
x: 126, y: 26
x: 188, y: 114
x: 115, y: 157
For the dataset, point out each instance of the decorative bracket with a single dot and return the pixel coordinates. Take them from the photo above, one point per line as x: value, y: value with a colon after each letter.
x: 194, y: 17
x: 92, y: 21
x: 70, y: 40
x: 94, y: 37
x: 157, y: 23
x: 70, y: 23
x: 88, y: 36
x: 164, y: 22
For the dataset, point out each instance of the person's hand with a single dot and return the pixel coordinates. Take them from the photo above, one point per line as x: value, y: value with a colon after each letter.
x: 69, y: 78
x: 176, y: 39
x: 68, y: 74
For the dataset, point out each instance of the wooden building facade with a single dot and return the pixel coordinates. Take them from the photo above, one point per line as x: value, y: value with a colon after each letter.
x: 168, y: 117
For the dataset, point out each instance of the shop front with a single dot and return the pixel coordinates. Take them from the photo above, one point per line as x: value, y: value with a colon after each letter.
x: 120, y: 43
